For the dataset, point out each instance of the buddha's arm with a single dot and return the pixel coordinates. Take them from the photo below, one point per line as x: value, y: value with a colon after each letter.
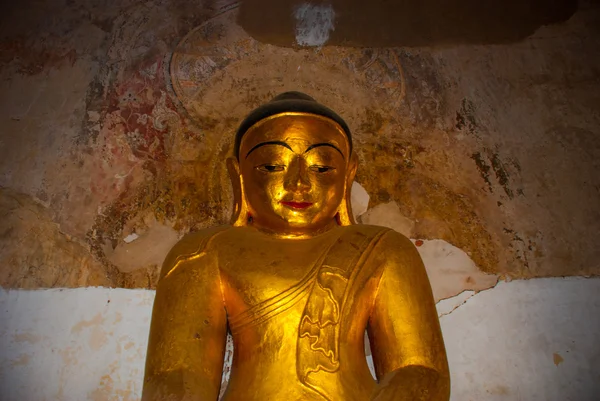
x: 188, y: 329
x: 404, y: 330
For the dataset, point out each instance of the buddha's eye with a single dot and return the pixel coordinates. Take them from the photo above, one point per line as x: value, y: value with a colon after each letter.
x: 270, y: 168
x: 321, y: 169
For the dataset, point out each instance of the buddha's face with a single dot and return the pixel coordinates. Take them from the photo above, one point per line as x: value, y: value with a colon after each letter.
x: 294, y: 171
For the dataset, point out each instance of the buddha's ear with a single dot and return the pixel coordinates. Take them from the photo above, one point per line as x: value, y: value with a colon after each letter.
x: 240, y: 207
x: 345, y: 216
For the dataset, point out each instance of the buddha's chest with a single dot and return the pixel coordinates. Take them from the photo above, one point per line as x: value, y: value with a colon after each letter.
x: 268, y: 272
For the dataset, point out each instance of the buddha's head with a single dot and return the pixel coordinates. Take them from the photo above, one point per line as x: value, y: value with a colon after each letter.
x: 293, y: 168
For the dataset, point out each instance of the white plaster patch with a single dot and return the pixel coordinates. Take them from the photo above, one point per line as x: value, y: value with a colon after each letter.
x: 131, y: 237
x: 449, y: 305
x: 502, y: 342
x: 359, y: 199
x: 451, y: 271
x: 227, y: 363
x: 314, y: 22
x: 73, y: 344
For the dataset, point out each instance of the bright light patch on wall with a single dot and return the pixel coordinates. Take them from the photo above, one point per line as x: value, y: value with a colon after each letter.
x: 313, y: 23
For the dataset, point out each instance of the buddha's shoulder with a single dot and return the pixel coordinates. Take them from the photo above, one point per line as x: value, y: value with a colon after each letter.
x: 388, y: 240
x: 189, y: 247
x: 197, y: 241
x: 377, y: 231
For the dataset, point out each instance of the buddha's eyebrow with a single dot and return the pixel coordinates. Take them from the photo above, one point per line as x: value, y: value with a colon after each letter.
x: 281, y: 143
x: 316, y: 145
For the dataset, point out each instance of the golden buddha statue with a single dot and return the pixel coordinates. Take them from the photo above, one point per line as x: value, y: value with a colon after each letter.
x: 296, y: 281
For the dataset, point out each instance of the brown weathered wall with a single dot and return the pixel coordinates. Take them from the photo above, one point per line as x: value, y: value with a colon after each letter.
x: 493, y: 148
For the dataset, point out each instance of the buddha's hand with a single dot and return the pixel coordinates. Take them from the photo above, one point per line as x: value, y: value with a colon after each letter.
x: 413, y: 383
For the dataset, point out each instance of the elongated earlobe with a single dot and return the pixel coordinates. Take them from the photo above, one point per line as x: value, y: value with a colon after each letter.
x: 345, y: 217
x: 240, y: 214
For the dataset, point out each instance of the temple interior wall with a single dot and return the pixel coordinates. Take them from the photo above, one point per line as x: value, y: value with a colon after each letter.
x: 116, y: 117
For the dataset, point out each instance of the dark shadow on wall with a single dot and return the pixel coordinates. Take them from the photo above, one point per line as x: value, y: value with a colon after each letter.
x: 409, y: 22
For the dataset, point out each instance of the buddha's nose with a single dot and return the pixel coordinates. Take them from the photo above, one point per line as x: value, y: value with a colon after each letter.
x: 297, y: 177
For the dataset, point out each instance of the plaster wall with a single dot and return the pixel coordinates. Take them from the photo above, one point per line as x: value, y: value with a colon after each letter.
x: 521, y: 340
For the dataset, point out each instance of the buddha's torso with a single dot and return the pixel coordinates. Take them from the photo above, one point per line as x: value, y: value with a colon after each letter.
x: 266, y: 283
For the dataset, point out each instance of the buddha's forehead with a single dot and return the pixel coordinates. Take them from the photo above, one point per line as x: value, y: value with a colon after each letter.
x: 296, y: 128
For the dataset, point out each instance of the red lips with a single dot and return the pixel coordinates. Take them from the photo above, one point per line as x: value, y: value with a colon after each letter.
x: 297, y: 205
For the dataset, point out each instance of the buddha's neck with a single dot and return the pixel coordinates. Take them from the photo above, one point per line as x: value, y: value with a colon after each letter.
x: 295, y: 234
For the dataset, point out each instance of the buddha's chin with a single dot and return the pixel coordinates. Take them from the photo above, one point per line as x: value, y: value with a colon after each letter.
x: 289, y: 221
x: 298, y: 222
x: 305, y: 224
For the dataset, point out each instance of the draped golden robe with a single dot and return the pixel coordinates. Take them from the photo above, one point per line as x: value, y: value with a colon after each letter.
x: 298, y: 310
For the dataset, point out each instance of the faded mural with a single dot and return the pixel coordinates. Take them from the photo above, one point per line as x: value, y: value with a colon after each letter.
x: 117, y: 118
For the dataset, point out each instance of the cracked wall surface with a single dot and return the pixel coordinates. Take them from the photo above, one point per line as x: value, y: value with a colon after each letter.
x: 90, y: 343
x: 117, y: 116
